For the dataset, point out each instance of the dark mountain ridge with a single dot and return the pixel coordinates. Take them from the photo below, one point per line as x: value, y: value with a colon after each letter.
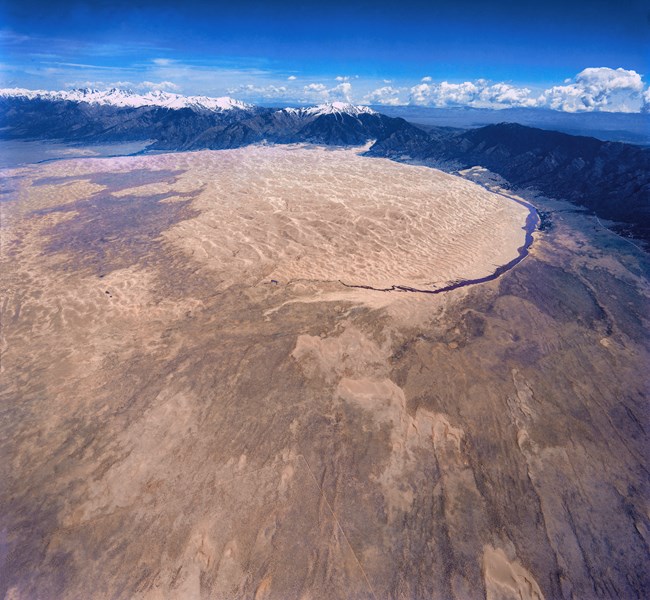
x: 176, y: 129
x: 631, y: 128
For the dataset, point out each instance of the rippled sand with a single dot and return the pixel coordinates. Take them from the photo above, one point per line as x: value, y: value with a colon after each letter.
x: 175, y: 425
x: 293, y: 213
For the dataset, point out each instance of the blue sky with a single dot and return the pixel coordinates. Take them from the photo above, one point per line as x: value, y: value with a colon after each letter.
x: 379, y: 52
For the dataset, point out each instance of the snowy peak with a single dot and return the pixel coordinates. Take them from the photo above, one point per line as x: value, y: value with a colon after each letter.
x: 331, y: 108
x: 127, y: 98
x: 338, y: 108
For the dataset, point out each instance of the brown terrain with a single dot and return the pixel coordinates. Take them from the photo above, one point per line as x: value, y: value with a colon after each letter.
x: 194, y: 406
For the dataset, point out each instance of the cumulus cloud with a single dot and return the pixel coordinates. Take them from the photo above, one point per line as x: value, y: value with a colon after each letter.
x: 593, y: 89
x: 387, y: 95
x: 319, y: 92
x: 343, y: 78
x: 342, y: 91
x: 444, y: 93
x: 597, y: 88
x: 479, y: 94
x: 503, y: 94
x: 292, y: 78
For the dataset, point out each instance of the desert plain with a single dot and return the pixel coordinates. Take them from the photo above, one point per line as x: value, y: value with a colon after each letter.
x: 197, y: 402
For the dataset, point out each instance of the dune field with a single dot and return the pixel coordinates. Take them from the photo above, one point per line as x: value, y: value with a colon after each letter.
x: 294, y: 213
x: 195, y: 405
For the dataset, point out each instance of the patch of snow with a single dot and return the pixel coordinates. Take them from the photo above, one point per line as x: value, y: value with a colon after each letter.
x: 331, y: 108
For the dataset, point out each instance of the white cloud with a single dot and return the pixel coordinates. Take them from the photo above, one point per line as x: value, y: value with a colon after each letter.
x: 597, y: 89
x: 144, y: 86
x: 315, y: 87
x: 455, y: 93
x: 342, y: 91
x: 167, y: 86
x: 442, y: 94
x: 479, y: 94
x: 387, y: 95
x: 504, y: 94
x: 98, y: 85
x: 593, y: 89
x: 319, y: 92
x: 388, y: 81
x: 427, y: 78
x: 162, y: 62
x: 342, y: 78
x: 292, y: 78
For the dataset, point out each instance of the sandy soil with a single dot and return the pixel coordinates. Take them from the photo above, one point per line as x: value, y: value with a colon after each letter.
x: 175, y: 425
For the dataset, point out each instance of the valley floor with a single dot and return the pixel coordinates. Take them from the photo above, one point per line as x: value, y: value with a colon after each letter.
x: 192, y: 405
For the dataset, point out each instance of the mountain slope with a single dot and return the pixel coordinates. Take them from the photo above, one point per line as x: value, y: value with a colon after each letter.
x: 611, y: 178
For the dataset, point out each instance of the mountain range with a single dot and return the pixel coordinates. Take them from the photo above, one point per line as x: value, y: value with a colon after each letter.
x: 173, y: 122
x: 610, y: 178
x: 127, y: 98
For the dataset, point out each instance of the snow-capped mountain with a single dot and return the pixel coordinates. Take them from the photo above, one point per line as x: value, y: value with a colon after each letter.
x: 331, y: 108
x: 127, y: 98
x: 338, y: 108
x: 94, y: 116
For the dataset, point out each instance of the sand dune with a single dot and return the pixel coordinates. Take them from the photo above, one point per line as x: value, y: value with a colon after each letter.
x: 295, y: 213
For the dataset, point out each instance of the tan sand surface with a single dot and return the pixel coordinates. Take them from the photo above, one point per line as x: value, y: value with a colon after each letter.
x: 173, y: 425
x: 294, y: 213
